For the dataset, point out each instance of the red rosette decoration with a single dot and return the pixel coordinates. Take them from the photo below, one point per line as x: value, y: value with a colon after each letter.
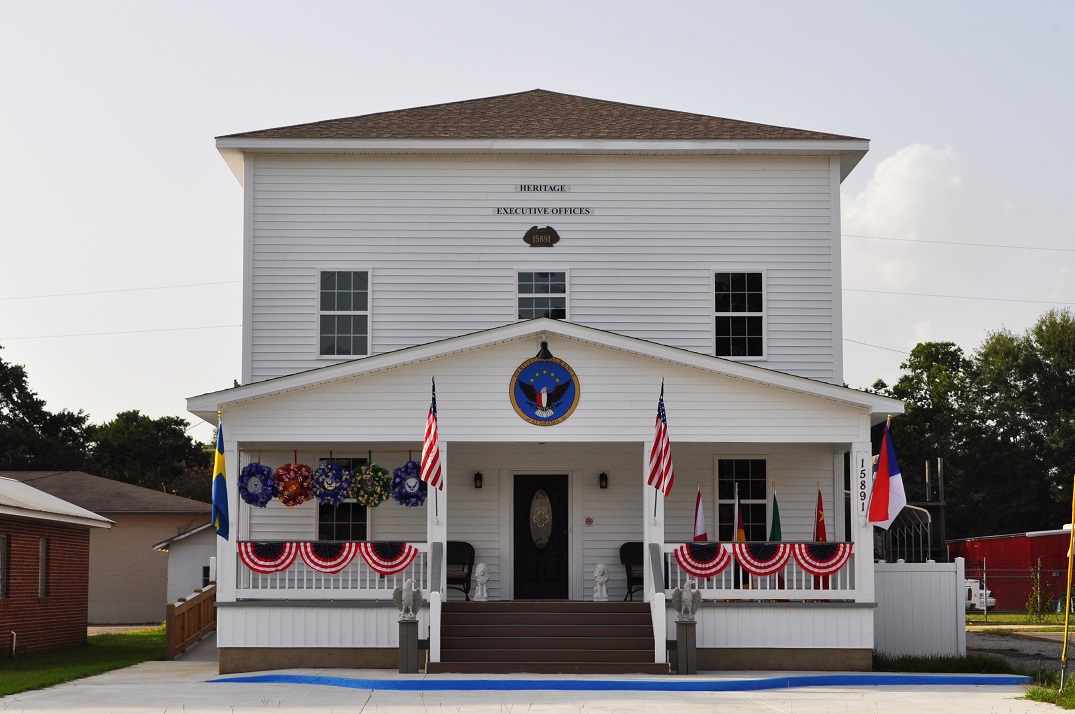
x: 327, y: 557
x: 762, y: 558
x: 702, y: 560
x: 268, y: 557
x: 294, y: 483
x: 822, y: 558
x: 387, y: 557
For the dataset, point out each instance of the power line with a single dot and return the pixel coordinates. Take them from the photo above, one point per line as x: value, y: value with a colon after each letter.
x: 957, y: 297
x: 121, y: 290
x: 867, y: 344
x: 125, y: 332
x: 960, y: 243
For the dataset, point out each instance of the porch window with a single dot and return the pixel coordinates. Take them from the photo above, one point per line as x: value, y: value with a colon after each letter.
x: 347, y: 521
x: 543, y: 295
x: 750, y: 475
x: 739, y: 326
x: 4, y: 576
x: 43, y: 568
x: 344, y: 313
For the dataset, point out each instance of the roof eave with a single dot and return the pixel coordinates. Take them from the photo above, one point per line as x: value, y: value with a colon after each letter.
x: 55, y: 517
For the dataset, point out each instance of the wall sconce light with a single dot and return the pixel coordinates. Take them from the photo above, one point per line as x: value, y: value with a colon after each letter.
x: 477, y: 479
x: 602, y: 480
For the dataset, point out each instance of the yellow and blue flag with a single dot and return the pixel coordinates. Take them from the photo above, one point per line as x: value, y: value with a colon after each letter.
x: 220, y: 486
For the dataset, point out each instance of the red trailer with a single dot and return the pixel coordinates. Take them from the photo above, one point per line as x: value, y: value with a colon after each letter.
x: 1007, y: 563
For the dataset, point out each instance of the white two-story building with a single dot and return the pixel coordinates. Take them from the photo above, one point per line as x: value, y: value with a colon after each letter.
x: 541, y: 240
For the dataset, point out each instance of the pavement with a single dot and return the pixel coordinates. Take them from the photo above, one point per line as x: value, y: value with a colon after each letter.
x: 191, y: 685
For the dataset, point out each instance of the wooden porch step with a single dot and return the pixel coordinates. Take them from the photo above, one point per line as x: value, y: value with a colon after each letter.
x: 544, y: 668
x: 535, y: 630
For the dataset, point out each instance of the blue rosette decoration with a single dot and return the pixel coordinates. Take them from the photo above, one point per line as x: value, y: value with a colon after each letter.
x: 331, y: 484
x: 407, y: 488
x: 256, y: 484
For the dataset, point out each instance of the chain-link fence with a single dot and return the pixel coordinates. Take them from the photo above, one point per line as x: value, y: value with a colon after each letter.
x: 1017, y: 590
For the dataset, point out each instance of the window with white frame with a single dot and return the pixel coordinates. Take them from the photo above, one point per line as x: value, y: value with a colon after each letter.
x: 543, y: 295
x: 344, y: 315
x: 739, y: 322
x: 348, y: 520
x: 750, y: 476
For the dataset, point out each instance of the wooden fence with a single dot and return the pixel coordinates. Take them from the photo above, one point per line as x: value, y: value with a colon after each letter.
x: 189, y: 620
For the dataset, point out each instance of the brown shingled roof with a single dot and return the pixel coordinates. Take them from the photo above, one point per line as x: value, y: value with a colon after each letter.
x: 537, y: 114
x: 102, y: 495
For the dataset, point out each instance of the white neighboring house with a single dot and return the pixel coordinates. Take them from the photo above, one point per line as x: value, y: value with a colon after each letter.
x: 542, y: 236
x: 189, y: 560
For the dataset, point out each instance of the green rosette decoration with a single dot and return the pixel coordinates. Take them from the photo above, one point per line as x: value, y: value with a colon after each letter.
x: 373, y: 486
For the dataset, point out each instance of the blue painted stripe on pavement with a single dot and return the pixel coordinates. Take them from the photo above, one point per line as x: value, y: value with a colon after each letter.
x: 635, y: 685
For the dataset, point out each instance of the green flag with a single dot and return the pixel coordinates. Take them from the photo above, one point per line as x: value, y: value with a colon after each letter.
x: 774, y: 531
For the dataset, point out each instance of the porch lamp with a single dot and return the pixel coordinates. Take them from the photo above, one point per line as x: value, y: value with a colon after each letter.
x: 477, y: 479
x: 602, y: 480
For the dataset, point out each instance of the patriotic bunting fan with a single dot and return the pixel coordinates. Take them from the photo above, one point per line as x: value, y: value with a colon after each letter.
x: 822, y: 558
x: 762, y: 558
x: 269, y: 557
x: 702, y: 560
x: 387, y: 557
x: 328, y: 558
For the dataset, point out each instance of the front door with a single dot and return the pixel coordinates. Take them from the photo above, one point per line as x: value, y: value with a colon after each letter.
x: 541, y: 553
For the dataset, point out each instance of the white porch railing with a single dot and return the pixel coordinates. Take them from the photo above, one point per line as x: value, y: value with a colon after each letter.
x: 790, y: 583
x: 357, y: 581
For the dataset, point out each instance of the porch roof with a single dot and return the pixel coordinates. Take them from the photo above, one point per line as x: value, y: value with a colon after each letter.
x: 878, y: 407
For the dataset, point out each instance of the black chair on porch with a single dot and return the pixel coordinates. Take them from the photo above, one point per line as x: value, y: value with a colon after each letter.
x: 460, y: 565
x: 631, y: 557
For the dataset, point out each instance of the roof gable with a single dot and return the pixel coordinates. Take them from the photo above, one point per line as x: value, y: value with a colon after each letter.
x: 103, y: 495
x: 539, y: 114
x: 20, y: 499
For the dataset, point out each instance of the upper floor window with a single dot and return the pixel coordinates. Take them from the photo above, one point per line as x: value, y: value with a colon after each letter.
x: 542, y: 295
x: 749, y: 474
x: 740, y: 315
x: 344, y: 328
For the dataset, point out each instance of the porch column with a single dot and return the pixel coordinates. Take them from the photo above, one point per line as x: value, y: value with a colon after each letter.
x: 861, y: 531
x: 652, y: 523
x: 437, y: 522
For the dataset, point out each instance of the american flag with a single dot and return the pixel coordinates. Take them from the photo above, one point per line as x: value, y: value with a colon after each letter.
x: 431, y: 471
x: 660, y: 456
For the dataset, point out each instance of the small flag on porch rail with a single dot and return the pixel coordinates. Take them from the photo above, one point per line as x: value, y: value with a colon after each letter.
x: 660, y: 455
x: 820, y: 536
x: 220, y: 485
x: 431, y: 470
x: 888, y: 497
x: 700, y: 532
x: 774, y: 531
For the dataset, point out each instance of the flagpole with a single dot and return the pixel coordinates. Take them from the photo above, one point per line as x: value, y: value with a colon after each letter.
x: 1067, y: 601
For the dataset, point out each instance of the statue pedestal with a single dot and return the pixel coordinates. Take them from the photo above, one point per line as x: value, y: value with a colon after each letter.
x: 408, y: 646
x: 686, y: 648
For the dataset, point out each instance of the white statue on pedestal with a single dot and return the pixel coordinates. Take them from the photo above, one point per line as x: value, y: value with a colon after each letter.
x: 481, y: 577
x: 600, y: 583
x: 685, y: 601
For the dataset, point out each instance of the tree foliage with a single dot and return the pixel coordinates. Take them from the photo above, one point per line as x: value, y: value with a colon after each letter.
x: 1002, y: 420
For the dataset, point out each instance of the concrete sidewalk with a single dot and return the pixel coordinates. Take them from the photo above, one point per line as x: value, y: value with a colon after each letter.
x: 191, y: 685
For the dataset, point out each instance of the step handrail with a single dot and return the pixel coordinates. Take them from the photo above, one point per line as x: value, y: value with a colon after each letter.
x: 189, y: 620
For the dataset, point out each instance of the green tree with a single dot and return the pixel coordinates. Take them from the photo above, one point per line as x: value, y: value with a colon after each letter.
x: 137, y: 449
x: 31, y: 437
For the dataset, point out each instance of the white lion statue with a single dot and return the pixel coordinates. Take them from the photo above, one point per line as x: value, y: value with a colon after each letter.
x: 481, y: 577
x: 600, y: 583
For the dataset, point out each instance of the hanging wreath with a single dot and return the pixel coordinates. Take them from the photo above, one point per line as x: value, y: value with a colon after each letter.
x: 331, y: 483
x: 256, y: 484
x: 407, y: 488
x: 293, y: 484
x: 373, y: 486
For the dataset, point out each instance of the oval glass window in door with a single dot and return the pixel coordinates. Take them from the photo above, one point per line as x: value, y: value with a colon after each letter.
x: 540, y: 519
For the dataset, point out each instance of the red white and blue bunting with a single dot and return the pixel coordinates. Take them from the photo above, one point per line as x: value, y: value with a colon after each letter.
x: 762, y: 559
x: 268, y: 557
x: 387, y: 557
x: 703, y: 560
x: 822, y: 558
x: 328, y: 557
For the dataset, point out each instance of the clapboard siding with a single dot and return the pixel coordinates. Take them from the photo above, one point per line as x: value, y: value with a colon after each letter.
x: 443, y: 264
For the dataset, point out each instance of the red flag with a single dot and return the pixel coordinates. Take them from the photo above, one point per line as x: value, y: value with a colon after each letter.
x: 431, y: 471
x: 819, y: 520
x: 660, y: 455
x: 700, y: 532
x: 888, y: 497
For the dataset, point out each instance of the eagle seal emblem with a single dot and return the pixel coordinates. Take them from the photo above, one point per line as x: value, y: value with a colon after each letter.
x: 544, y: 390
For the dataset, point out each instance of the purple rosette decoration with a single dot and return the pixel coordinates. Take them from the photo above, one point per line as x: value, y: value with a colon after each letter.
x: 256, y: 485
x: 331, y: 483
x: 407, y: 488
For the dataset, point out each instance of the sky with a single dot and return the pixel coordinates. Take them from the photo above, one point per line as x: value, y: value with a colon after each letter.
x: 121, y: 225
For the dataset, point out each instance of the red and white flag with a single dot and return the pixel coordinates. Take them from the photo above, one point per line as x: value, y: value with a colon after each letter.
x: 888, y: 497
x: 700, y: 532
x: 820, y: 534
x: 431, y: 470
x: 660, y: 455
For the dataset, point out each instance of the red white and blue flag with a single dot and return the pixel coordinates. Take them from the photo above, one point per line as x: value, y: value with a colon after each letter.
x: 822, y: 559
x: 387, y: 557
x: 888, y: 497
x: 268, y: 557
x: 431, y: 469
x: 326, y: 557
x: 703, y: 560
x: 661, y: 475
x: 700, y: 531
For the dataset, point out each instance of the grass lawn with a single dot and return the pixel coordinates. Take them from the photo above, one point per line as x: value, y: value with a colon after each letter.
x: 1049, y: 622
x: 101, y: 653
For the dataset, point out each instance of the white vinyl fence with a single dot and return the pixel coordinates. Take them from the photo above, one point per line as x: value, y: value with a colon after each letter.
x: 920, y: 609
